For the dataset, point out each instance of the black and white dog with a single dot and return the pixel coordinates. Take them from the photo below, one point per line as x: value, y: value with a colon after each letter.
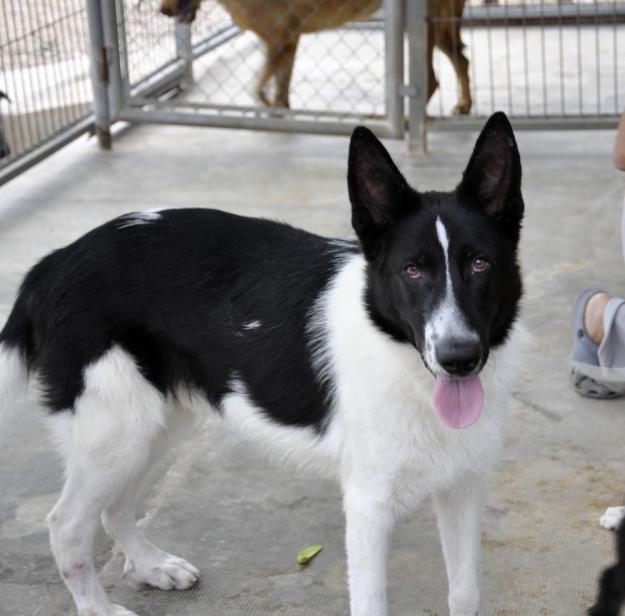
x: 365, y: 356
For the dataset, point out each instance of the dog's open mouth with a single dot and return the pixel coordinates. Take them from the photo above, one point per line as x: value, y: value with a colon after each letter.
x: 458, y: 402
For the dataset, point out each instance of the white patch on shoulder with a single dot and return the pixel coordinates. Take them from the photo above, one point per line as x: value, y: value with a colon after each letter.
x: 139, y: 218
x: 612, y: 518
x: 252, y: 325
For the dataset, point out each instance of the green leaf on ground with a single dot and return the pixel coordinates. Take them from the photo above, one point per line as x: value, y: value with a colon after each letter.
x: 305, y: 555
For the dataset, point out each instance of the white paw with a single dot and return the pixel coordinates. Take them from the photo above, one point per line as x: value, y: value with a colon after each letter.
x: 163, y: 571
x: 612, y: 517
x: 120, y: 610
x: 108, y: 610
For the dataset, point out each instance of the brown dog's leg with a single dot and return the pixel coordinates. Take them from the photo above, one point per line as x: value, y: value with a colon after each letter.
x: 267, y: 74
x: 432, y: 81
x: 451, y: 45
x: 284, y: 71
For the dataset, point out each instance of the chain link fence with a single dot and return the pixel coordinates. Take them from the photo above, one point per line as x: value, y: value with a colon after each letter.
x: 44, y: 77
x: 297, y: 65
x: 305, y: 65
x: 539, y: 59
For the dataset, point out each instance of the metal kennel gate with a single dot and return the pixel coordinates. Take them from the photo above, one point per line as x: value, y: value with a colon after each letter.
x: 549, y: 64
x: 73, y: 66
x: 149, y: 61
x: 45, y: 88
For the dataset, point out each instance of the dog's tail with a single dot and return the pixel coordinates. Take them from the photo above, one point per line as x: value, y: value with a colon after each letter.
x: 612, y: 582
x: 15, y: 358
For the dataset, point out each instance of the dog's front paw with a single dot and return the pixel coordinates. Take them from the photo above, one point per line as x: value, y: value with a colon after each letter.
x: 612, y: 517
x: 163, y: 571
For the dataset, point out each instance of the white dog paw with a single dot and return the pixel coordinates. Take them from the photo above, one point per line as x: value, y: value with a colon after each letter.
x: 612, y: 517
x: 109, y: 610
x: 120, y: 610
x: 163, y: 571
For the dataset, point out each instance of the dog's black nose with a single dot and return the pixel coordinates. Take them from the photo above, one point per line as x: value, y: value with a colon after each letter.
x: 459, y: 357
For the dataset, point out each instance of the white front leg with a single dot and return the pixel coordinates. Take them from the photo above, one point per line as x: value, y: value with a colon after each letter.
x: 368, y: 527
x: 459, y: 512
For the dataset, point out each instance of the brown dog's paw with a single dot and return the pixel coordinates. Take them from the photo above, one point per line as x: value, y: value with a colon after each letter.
x: 462, y: 109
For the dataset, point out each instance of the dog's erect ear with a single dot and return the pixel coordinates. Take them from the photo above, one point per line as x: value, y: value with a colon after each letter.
x: 377, y: 190
x: 492, y: 179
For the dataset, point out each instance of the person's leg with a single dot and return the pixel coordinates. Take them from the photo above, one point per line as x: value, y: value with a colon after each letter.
x: 599, y: 345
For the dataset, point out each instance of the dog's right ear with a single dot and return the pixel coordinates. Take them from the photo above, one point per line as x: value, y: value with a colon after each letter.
x: 377, y: 190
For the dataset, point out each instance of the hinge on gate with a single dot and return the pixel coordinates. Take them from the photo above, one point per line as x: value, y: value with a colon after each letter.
x: 103, y: 68
x: 403, y: 89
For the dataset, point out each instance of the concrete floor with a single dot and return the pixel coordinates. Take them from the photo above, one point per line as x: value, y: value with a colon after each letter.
x: 242, y: 520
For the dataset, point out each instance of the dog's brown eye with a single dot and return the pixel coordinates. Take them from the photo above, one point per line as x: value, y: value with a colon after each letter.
x: 412, y: 271
x: 479, y: 264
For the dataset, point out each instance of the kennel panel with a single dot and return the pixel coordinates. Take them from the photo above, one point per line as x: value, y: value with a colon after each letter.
x: 348, y: 64
x: 45, y: 73
x: 539, y: 60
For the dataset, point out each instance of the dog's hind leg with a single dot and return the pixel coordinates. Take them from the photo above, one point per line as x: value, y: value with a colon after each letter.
x: 459, y: 511
x: 280, y: 56
x: 431, y: 42
x: 450, y: 43
x: 284, y: 71
x: 109, y: 444
x: 266, y: 75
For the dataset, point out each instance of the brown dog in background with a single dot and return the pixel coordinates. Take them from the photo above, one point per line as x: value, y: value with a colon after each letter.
x: 280, y: 23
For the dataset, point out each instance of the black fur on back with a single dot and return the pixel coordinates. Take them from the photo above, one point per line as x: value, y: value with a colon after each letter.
x: 612, y: 582
x: 181, y: 293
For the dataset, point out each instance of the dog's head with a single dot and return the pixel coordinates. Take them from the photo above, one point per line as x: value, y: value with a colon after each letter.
x: 442, y: 270
x: 183, y: 10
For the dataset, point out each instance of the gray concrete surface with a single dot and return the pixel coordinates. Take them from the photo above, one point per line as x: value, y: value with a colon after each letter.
x: 241, y: 519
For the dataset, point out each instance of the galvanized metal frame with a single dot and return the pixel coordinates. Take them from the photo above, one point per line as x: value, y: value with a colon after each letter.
x: 116, y: 98
x: 72, y: 128
x: 139, y: 105
x: 418, y: 122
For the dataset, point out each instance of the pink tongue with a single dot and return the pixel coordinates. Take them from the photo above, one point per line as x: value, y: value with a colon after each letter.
x: 458, y: 401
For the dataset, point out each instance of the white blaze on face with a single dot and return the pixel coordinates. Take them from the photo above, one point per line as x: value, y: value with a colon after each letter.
x: 446, y: 320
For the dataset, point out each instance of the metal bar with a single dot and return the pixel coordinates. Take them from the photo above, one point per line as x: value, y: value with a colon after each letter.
x: 152, y: 104
x: 527, y: 123
x: 417, y: 27
x: 553, y: 14
x: 526, y: 63
x: 598, y: 65
x: 617, y: 107
x: 162, y: 80
x: 123, y: 49
x: 543, y: 57
x: 99, y: 68
x: 184, y: 51
x: 111, y: 43
x: 214, y: 41
x: 508, y: 70
x: 160, y: 116
x: 579, y: 63
x: 394, y: 63
x: 47, y: 148
x: 489, y: 39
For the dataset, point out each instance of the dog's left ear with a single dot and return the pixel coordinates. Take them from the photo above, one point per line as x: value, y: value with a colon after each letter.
x: 492, y: 179
x: 377, y: 190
